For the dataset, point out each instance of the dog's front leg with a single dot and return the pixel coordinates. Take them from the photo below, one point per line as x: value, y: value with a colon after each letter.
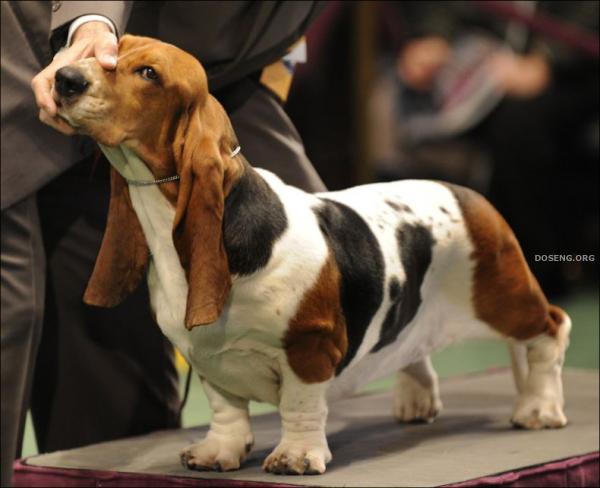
x: 229, y: 438
x: 303, y: 447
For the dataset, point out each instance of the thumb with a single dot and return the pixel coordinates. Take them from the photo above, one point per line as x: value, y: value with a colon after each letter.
x: 106, y: 50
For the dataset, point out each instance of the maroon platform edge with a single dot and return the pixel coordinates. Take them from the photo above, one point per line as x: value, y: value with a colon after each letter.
x: 577, y: 471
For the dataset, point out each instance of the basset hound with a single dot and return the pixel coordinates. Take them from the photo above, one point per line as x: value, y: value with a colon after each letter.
x: 281, y: 296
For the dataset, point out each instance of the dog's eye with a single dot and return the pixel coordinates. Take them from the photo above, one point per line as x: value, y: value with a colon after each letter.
x: 148, y: 73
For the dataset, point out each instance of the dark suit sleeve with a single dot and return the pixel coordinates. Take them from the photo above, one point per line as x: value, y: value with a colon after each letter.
x: 64, y: 13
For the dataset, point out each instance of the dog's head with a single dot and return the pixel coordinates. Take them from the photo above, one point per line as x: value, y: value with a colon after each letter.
x: 156, y: 103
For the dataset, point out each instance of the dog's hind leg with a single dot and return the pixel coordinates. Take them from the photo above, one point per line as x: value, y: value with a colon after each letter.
x: 508, y: 298
x: 540, y: 403
x: 417, y: 393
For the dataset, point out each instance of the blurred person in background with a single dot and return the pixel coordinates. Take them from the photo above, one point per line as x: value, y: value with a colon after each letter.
x: 476, y: 97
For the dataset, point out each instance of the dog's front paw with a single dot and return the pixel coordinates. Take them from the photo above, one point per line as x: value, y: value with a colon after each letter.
x: 416, y: 403
x: 298, y: 458
x: 217, y: 453
x: 534, y: 412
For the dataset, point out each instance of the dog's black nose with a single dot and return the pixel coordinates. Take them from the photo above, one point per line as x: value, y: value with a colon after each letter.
x: 69, y: 82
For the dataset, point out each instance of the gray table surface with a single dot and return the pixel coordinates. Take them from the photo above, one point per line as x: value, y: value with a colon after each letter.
x: 471, y: 438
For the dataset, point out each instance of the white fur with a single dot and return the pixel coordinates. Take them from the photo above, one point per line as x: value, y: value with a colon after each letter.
x: 541, y: 400
x: 445, y: 315
x: 229, y: 438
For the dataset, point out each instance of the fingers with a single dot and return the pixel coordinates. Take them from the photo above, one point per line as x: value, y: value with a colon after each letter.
x: 105, y: 50
x: 91, y: 39
x: 56, y: 123
x: 43, y: 82
x: 42, y: 90
x: 102, y: 42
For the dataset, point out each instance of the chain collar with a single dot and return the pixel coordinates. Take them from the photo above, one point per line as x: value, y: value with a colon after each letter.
x: 160, y: 181
x: 152, y: 182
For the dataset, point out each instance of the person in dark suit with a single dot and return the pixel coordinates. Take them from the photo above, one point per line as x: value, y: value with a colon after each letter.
x: 104, y: 374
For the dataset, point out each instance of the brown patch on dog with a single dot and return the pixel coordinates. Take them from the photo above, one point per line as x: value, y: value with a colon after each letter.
x: 506, y: 295
x: 316, y: 340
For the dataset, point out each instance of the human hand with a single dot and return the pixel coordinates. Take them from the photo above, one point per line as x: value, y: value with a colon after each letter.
x: 92, y: 39
x: 420, y: 61
x: 520, y: 76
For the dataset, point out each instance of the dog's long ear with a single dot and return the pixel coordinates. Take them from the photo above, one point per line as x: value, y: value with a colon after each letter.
x: 123, y: 256
x: 199, y: 149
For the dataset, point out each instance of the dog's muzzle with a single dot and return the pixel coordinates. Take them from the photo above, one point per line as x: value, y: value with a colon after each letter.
x: 69, y: 82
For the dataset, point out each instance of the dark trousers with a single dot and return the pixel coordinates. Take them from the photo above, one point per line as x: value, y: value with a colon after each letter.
x: 96, y: 374
x: 22, y: 300
x: 101, y: 373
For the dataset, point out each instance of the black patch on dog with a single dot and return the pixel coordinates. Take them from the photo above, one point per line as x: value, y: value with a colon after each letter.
x: 395, y: 289
x: 399, y: 207
x: 253, y: 220
x: 443, y: 209
x: 414, y: 245
x: 360, y: 261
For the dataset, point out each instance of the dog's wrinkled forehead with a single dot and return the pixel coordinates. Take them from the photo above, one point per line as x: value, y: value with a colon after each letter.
x: 174, y: 66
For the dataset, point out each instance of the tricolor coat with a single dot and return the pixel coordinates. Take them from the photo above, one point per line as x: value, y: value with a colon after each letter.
x: 276, y: 295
